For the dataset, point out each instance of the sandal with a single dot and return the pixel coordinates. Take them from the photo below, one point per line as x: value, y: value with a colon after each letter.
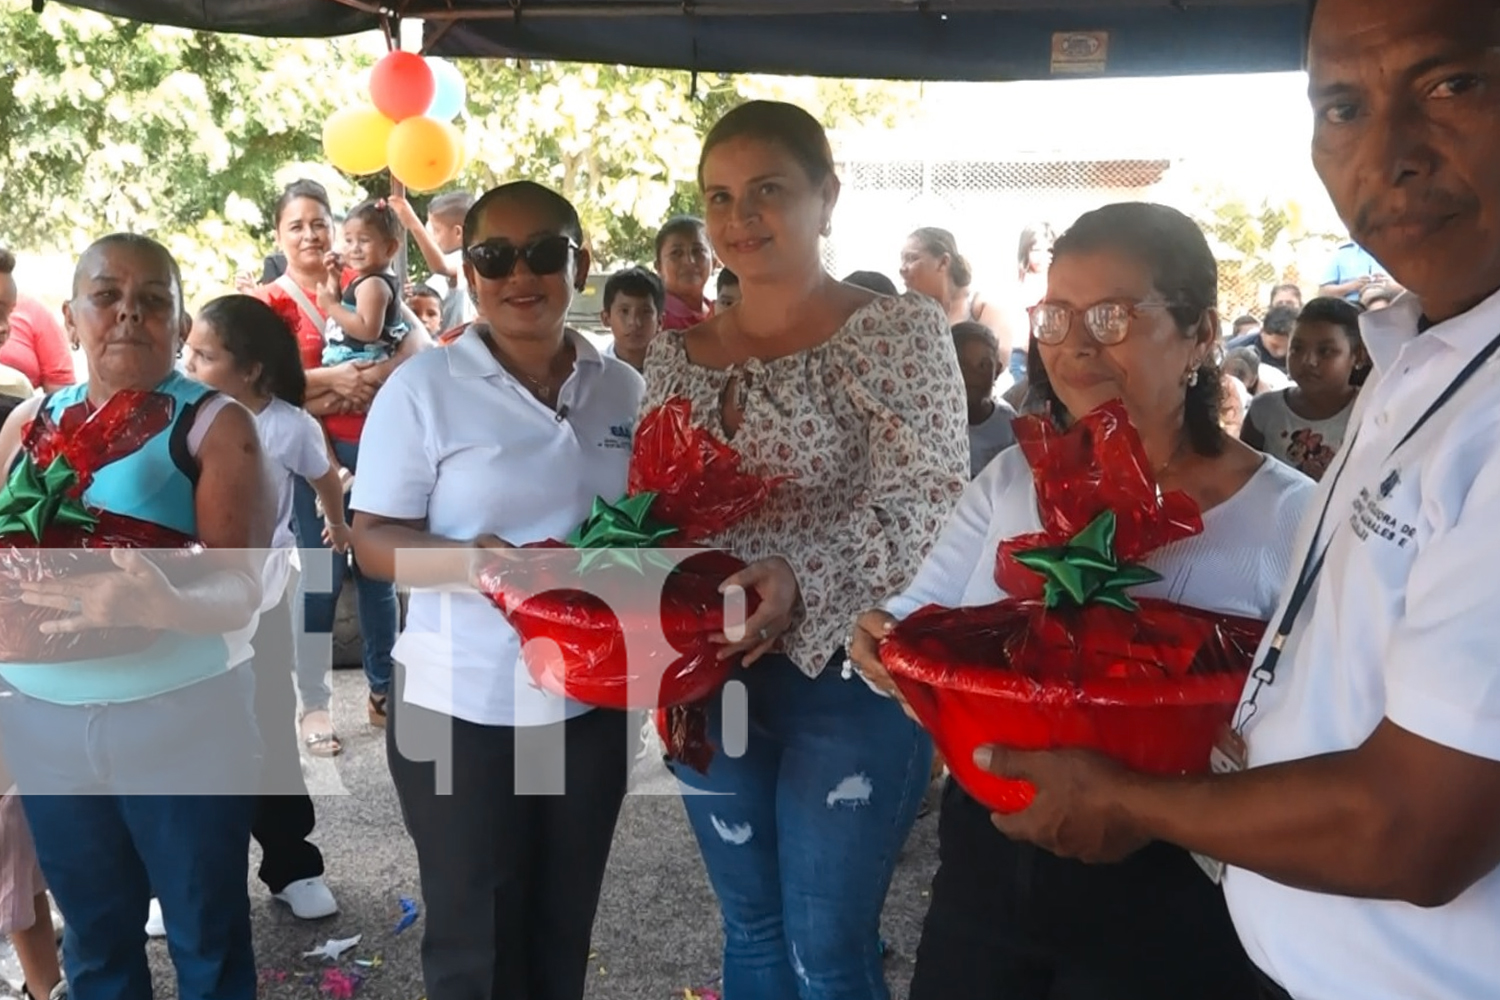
x: 377, y: 710
x: 320, y: 742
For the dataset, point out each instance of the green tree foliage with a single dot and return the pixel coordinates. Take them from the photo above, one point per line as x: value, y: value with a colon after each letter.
x: 108, y: 125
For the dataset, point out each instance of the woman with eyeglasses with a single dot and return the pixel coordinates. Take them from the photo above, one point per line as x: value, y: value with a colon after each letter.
x: 1129, y: 314
x: 505, y: 437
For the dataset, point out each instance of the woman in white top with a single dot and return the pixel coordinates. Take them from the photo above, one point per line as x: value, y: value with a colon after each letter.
x: 504, y: 437
x: 1129, y: 315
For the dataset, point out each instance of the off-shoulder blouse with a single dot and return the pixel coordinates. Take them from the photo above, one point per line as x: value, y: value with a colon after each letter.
x: 873, y: 427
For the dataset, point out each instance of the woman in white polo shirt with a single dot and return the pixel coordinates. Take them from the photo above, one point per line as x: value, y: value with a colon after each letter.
x: 1129, y: 314
x: 503, y: 438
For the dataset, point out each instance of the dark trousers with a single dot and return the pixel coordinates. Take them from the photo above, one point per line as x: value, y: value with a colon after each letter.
x: 284, y: 816
x: 1010, y: 921
x: 1270, y: 989
x: 510, y: 882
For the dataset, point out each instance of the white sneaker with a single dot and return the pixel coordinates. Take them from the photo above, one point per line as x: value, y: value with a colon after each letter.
x: 309, y: 898
x: 155, y: 926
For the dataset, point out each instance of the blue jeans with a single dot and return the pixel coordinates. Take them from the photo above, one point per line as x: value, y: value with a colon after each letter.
x: 122, y: 803
x: 802, y: 835
x: 378, y: 611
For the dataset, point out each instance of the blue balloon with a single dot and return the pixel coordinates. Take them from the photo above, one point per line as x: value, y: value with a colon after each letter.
x: 451, y: 93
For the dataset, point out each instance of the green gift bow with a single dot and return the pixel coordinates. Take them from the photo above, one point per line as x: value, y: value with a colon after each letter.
x: 623, y: 534
x: 33, y: 501
x: 1085, y: 571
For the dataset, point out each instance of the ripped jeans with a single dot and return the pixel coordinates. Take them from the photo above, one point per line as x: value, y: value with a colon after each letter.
x: 801, y: 831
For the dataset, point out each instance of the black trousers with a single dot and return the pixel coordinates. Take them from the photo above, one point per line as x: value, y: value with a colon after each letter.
x: 1010, y: 921
x: 284, y: 816
x: 511, y: 881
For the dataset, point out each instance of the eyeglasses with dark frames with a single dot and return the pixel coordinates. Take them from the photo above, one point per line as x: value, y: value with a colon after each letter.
x: 495, y: 259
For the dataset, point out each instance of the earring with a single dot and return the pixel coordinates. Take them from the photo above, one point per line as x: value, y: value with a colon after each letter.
x: 827, y: 230
x: 1192, y: 378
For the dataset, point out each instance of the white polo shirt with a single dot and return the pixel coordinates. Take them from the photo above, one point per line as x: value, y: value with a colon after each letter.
x: 1404, y: 624
x: 454, y: 439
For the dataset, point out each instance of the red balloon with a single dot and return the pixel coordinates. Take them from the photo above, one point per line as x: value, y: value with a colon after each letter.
x: 402, y: 85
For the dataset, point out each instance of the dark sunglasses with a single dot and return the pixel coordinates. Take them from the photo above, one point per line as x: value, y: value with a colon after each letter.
x: 496, y: 259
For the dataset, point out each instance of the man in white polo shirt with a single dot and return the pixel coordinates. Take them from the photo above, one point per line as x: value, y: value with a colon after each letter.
x: 1357, y: 802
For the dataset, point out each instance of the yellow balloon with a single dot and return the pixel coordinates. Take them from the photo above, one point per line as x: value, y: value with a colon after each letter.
x: 423, y: 153
x: 355, y: 139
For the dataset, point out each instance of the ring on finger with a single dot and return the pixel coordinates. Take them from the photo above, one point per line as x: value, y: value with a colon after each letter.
x: 763, y: 634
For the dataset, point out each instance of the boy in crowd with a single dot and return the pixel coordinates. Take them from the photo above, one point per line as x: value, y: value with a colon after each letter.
x: 441, y: 241
x: 728, y: 289
x: 425, y: 301
x: 633, y: 303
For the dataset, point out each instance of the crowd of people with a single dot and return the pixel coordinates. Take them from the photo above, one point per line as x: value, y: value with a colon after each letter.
x: 1345, y: 843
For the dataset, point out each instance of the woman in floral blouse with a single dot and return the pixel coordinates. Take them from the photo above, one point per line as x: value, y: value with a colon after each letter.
x: 858, y: 397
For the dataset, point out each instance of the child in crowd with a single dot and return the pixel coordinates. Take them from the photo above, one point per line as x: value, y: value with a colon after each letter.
x: 441, y: 241
x: 25, y: 911
x: 729, y: 290
x: 684, y: 260
x: 1258, y: 378
x: 873, y: 280
x: 989, y: 419
x: 633, y: 303
x: 425, y: 301
x: 364, y: 317
x: 248, y: 351
x: 1304, y: 425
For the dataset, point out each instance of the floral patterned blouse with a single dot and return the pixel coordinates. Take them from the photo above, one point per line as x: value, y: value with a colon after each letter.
x: 873, y: 426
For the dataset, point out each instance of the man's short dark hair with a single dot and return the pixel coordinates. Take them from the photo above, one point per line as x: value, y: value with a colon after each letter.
x: 450, y: 207
x: 636, y: 281
x: 7, y: 261
x: 1246, y: 320
x: 727, y: 279
x: 1280, y: 321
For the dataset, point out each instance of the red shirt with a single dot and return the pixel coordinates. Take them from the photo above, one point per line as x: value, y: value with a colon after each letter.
x: 346, y: 427
x: 38, y: 347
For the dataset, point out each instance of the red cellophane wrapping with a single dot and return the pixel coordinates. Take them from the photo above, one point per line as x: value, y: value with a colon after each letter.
x: 1145, y: 681
x: 684, y: 486
x: 47, y: 532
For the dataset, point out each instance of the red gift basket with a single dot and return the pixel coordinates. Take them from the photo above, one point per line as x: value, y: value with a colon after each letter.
x: 630, y: 618
x: 47, y: 531
x: 1070, y: 659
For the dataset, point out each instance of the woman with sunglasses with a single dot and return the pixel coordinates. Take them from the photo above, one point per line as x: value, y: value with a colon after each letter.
x: 1129, y: 314
x: 503, y: 438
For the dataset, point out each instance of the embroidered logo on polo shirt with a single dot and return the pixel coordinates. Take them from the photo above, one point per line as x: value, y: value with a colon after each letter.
x: 1374, y: 515
x: 620, y: 436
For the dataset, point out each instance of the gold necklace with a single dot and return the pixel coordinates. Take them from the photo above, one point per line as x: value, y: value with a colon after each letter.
x: 543, y: 390
x: 1162, y: 469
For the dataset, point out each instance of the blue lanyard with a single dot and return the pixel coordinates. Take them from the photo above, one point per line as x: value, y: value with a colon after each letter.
x: 1312, y: 563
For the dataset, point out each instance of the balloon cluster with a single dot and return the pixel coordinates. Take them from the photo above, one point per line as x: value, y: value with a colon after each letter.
x: 407, y: 126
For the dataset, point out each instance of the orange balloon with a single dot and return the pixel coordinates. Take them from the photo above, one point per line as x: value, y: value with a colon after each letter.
x: 458, y: 144
x: 355, y: 139
x: 423, y: 153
